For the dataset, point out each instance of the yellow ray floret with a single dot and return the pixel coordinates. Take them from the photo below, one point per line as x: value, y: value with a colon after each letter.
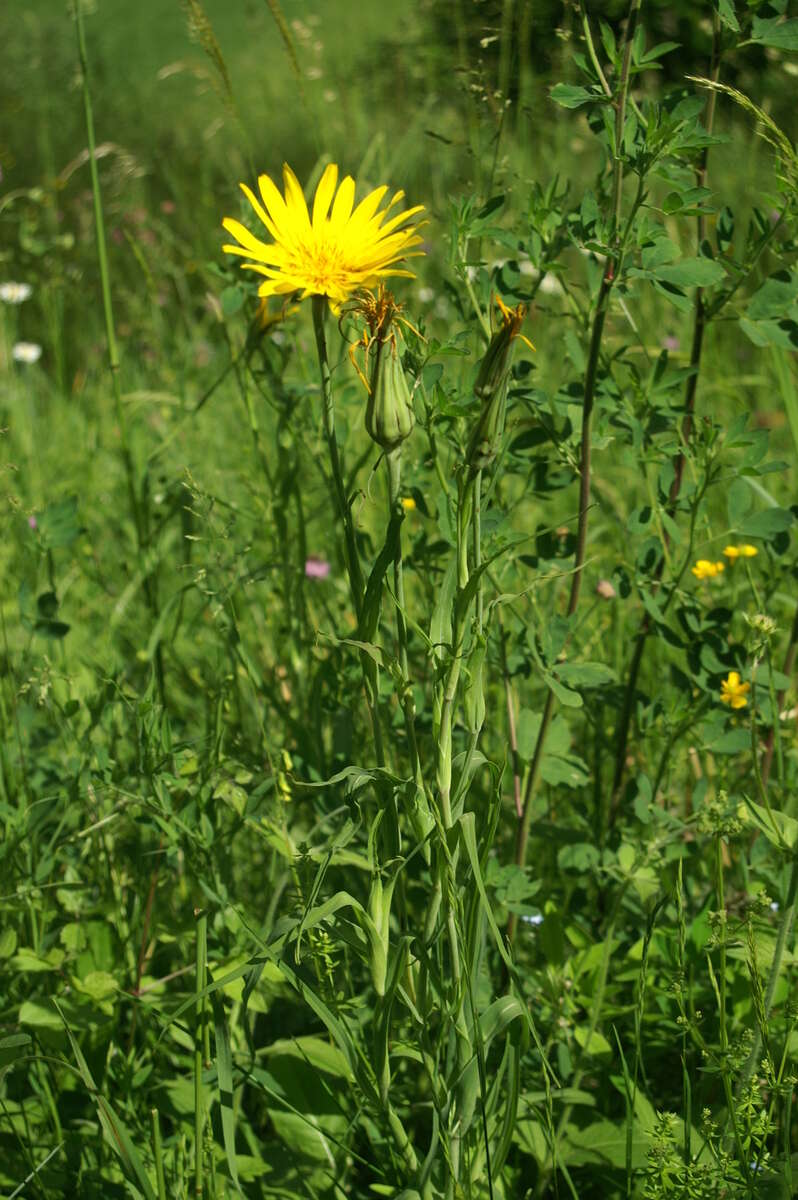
x: 331, y: 251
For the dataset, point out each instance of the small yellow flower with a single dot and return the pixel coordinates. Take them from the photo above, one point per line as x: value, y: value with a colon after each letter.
x: 333, y: 251
x: 745, y: 551
x: 733, y: 692
x: 704, y: 569
x: 408, y: 503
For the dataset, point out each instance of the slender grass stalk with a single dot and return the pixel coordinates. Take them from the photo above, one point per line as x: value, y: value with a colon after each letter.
x: 447, y: 856
x: 136, y: 509
x: 687, y: 1087
x: 157, y: 1151
x: 512, y: 734
x: 477, y: 548
x: 723, y: 1032
x: 201, y: 959
x: 393, y: 462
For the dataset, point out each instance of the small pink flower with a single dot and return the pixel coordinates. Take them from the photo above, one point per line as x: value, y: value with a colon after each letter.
x: 671, y: 343
x: 317, y: 568
x: 32, y: 522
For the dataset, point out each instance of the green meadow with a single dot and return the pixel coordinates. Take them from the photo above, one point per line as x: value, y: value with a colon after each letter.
x: 398, y: 752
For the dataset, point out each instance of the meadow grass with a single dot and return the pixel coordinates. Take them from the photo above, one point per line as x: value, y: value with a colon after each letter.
x: 397, y: 811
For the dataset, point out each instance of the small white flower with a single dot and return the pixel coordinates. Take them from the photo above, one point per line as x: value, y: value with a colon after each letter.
x: 532, y: 918
x: 426, y: 294
x: 774, y: 906
x: 471, y: 273
x: 15, y: 293
x: 550, y: 285
x: 26, y: 352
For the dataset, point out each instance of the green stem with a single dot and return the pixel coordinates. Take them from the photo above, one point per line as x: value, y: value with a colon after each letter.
x: 477, y: 547
x: 723, y: 1032
x: 157, y: 1151
x: 393, y: 461
x: 328, y: 414
x: 354, y: 572
x: 199, y: 1048
x: 447, y: 861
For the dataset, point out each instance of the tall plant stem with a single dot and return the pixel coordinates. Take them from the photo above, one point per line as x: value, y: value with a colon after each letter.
x: 328, y: 413
x: 477, y: 548
x: 199, y: 1048
x: 355, y: 575
x: 157, y: 1153
x: 136, y: 510
x: 700, y: 322
x: 393, y: 462
x: 447, y: 854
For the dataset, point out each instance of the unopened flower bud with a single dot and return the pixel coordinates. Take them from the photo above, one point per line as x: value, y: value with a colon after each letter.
x: 389, y: 412
x: 483, y: 445
x: 491, y: 388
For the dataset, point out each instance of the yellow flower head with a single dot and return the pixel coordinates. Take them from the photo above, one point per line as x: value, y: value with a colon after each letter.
x: 704, y: 569
x: 745, y: 551
x: 408, y: 503
x: 733, y: 692
x: 333, y: 251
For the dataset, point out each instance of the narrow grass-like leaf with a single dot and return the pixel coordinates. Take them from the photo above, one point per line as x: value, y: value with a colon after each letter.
x: 224, y: 1077
x: 113, y: 1126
